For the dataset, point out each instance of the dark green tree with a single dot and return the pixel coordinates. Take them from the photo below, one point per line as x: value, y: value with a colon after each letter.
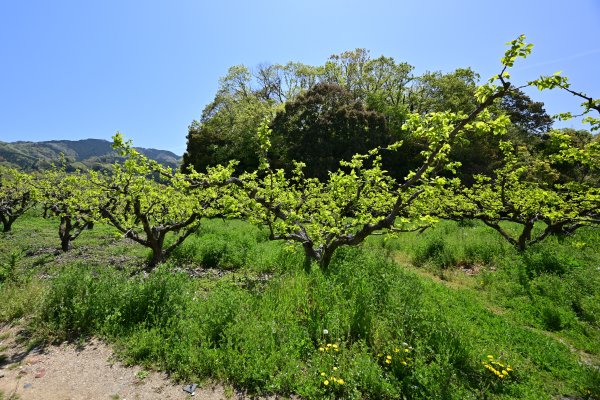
x: 323, y: 126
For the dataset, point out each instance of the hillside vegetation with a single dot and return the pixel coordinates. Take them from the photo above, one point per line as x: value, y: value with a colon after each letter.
x: 93, y: 154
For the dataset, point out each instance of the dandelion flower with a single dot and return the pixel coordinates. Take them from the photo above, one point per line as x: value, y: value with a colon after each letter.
x: 335, y: 368
x: 328, y: 344
x: 504, y: 372
x: 325, y: 382
x: 388, y: 357
x: 335, y: 346
x: 321, y: 349
x: 490, y: 357
x: 340, y: 381
x: 396, y: 350
x: 388, y: 361
x: 404, y: 363
x: 322, y: 373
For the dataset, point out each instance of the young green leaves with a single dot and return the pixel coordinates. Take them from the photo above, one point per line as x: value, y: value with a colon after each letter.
x: 17, y: 195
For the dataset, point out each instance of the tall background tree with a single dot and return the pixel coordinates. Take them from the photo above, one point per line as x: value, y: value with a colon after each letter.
x: 322, y: 126
x: 373, y: 93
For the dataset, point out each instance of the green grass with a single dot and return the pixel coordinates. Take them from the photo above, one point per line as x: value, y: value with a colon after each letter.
x: 414, y: 316
x: 234, y: 246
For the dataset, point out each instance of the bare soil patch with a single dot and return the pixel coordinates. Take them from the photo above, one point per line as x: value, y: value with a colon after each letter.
x: 82, y: 372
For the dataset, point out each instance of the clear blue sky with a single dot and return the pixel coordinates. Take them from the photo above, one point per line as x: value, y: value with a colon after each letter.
x: 85, y: 69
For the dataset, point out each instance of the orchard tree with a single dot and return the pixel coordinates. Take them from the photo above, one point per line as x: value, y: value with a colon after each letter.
x: 481, y: 154
x: 17, y: 195
x: 570, y: 170
x: 589, y: 104
x: 361, y: 198
x: 71, y: 198
x: 525, y: 193
x: 146, y: 201
x: 527, y: 190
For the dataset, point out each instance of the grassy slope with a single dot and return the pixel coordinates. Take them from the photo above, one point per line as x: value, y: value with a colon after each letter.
x: 252, y: 317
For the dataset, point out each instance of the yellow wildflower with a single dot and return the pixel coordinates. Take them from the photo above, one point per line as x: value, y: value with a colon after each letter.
x: 340, y: 381
x: 322, y: 373
x: 325, y: 382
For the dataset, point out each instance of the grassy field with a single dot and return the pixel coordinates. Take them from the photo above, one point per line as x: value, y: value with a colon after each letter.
x: 453, y: 313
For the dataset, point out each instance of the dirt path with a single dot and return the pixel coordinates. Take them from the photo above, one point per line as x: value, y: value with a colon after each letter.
x: 70, y: 372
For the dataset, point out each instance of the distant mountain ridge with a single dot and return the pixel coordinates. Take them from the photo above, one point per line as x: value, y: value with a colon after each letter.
x: 94, y: 154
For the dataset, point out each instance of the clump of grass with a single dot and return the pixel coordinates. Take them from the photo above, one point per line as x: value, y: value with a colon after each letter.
x: 8, y: 269
x: 21, y: 299
x: 437, y: 252
x: 445, y: 245
x: 233, y: 245
x: 546, y: 260
x: 82, y: 301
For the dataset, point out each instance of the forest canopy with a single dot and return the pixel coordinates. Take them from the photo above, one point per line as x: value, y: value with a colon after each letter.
x: 323, y: 114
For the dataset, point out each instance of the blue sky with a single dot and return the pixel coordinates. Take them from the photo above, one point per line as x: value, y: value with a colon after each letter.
x: 86, y: 69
